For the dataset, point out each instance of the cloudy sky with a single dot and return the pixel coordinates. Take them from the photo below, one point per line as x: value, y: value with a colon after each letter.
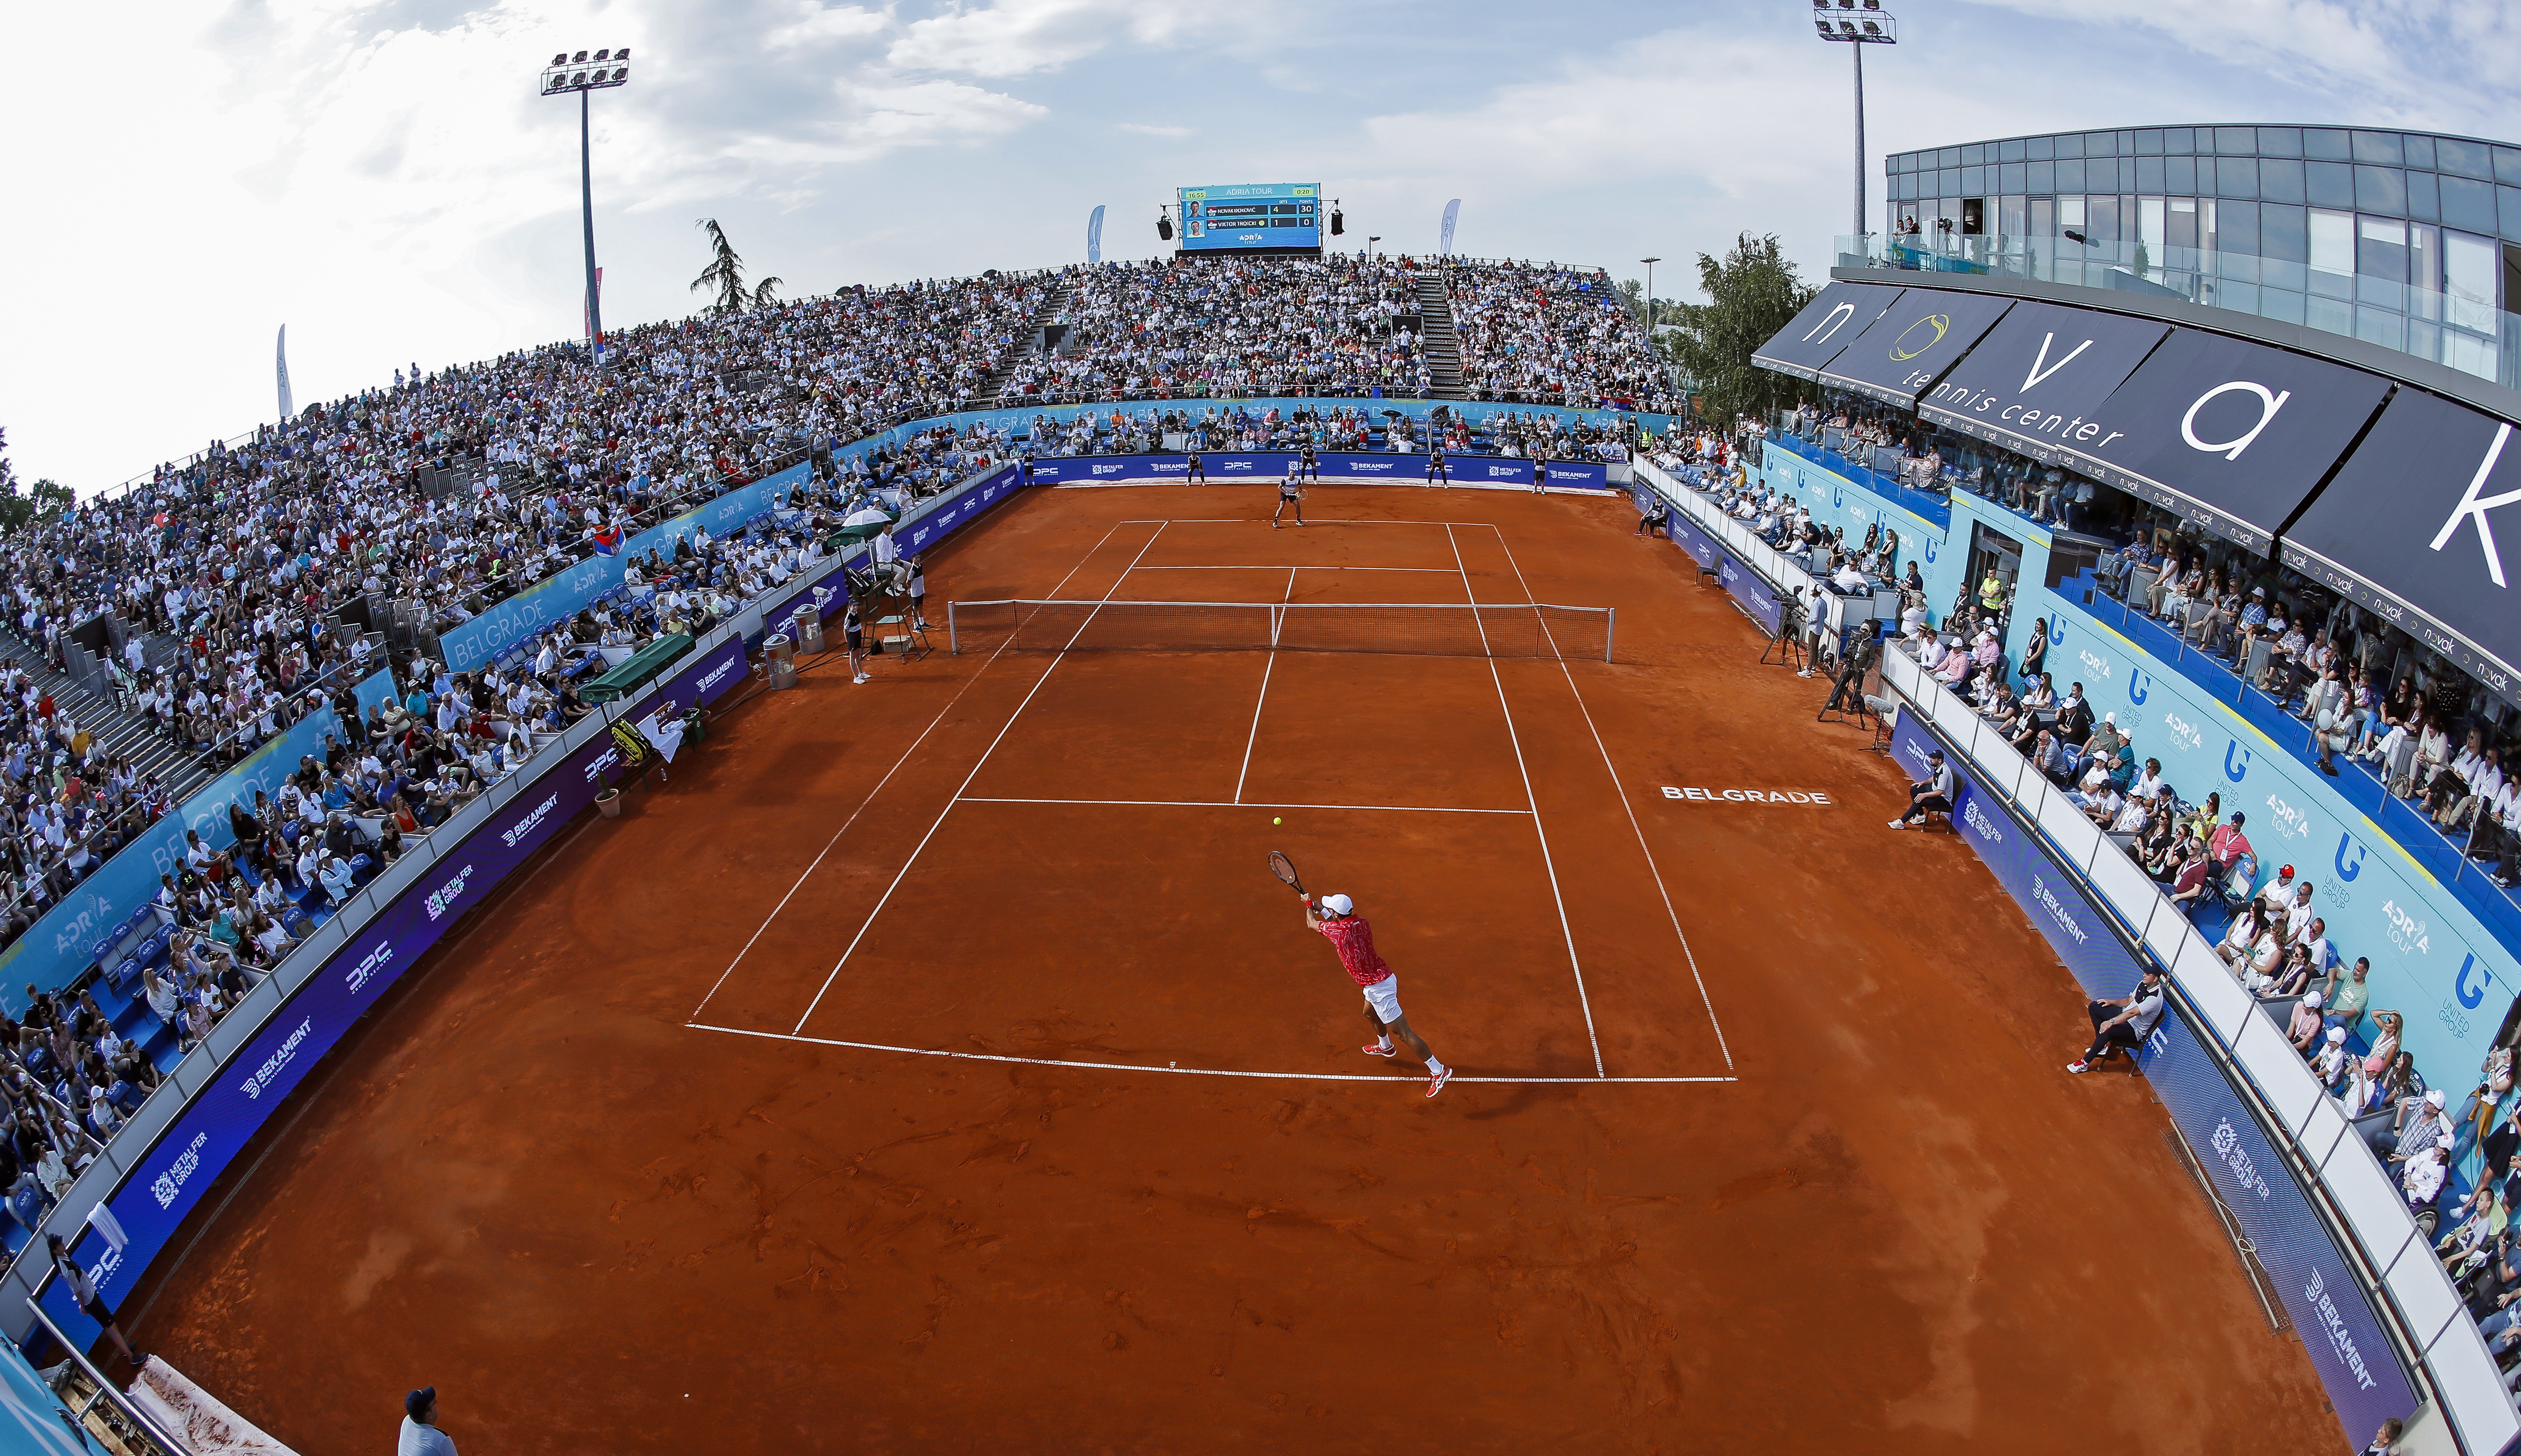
x: 182, y: 179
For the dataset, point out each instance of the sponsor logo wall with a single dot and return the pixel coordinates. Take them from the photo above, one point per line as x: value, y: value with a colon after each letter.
x: 1220, y: 466
x: 1757, y: 599
x: 1839, y: 503
x: 61, y: 946
x: 2432, y: 961
x: 2329, y: 1307
x: 246, y: 1091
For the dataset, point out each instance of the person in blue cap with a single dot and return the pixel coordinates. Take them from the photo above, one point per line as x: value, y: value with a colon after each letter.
x: 420, y: 1436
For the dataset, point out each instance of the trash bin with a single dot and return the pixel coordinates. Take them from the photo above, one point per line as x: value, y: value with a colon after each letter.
x: 782, y: 660
x: 808, y: 629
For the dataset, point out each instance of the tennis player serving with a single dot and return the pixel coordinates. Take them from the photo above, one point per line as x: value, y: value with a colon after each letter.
x: 1339, y: 922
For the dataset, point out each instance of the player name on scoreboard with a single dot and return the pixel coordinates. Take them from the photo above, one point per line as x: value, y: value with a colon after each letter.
x: 1749, y: 796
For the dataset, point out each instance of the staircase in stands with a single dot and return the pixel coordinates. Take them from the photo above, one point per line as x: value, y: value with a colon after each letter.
x: 1443, y: 345
x: 1029, y: 342
x: 124, y: 734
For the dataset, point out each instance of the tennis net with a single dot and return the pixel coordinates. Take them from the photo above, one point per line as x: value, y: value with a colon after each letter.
x: 1413, y: 628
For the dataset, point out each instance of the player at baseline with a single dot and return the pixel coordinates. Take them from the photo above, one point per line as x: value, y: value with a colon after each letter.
x: 1353, y: 940
x: 1291, y: 492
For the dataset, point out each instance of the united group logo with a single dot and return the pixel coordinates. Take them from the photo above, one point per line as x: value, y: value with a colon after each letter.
x: 2139, y: 686
x: 2349, y: 867
x: 2236, y: 761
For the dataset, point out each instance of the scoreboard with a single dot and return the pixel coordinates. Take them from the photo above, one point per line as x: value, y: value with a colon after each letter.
x: 1251, y: 215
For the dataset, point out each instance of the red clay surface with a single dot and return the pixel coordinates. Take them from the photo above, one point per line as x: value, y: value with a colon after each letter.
x: 1883, y: 1217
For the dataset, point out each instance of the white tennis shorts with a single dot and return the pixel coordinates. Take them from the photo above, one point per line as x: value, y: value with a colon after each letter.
x: 1383, y: 999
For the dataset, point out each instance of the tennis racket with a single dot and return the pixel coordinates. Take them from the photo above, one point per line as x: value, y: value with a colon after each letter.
x: 1285, y: 869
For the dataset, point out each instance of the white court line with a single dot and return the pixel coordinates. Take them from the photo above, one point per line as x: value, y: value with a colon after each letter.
x: 1219, y: 803
x: 826, y: 986
x: 1291, y: 568
x: 878, y: 789
x: 1623, y: 790
x: 1404, y: 1079
x: 1268, y: 665
x: 1532, y: 800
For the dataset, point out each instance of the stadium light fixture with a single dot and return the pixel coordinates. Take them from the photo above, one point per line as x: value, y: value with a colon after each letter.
x: 1650, y: 308
x: 1857, y: 27
x: 1369, y: 245
x: 569, y: 74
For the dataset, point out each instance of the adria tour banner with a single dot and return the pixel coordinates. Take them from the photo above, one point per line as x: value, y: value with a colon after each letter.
x: 557, y: 599
x: 2431, y: 958
x: 69, y: 937
x: 198, y: 1146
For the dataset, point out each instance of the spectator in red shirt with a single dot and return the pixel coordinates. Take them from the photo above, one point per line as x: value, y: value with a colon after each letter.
x: 1337, y: 922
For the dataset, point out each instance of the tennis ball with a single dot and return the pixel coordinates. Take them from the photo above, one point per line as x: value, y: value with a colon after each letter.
x: 1277, y: 820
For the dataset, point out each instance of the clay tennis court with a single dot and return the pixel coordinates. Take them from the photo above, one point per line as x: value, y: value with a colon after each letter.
x: 936, y: 1064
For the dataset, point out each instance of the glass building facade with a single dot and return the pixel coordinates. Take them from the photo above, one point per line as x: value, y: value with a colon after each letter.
x: 2405, y: 240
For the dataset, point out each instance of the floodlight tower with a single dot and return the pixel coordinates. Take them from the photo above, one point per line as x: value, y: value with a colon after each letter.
x: 565, y: 74
x: 1856, y: 24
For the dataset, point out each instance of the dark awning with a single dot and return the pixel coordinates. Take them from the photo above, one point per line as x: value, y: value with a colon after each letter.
x: 2407, y: 528
x: 2234, y: 436
x: 2040, y: 375
x: 1828, y: 323
x: 1924, y: 333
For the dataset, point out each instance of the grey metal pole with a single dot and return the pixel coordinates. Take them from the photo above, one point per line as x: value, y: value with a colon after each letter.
x: 586, y: 198
x: 1857, y: 50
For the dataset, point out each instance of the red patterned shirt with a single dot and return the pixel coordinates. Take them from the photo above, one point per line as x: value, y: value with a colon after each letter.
x: 1353, y: 940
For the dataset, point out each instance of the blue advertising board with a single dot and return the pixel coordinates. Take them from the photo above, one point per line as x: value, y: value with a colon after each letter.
x: 2331, y: 1310
x: 2054, y: 900
x: 198, y: 1146
x: 1250, y: 214
x: 58, y: 947
x: 1686, y: 536
x: 556, y: 598
x: 1218, y: 466
x: 1757, y: 599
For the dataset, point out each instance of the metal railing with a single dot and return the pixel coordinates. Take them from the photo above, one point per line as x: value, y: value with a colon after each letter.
x: 2459, y: 329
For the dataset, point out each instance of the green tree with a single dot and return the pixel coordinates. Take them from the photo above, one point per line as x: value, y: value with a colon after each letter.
x: 724, y: 275
x: 50, y: 499
x: 766, y: 291
x: 1752, y: 292
x: 15, y: 510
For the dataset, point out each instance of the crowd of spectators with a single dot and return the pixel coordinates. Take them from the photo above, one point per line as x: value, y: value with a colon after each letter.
x: 1227, y: 328
x: 1536, y: 334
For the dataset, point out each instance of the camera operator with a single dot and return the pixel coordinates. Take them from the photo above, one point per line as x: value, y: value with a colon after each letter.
x: 1855, y: 659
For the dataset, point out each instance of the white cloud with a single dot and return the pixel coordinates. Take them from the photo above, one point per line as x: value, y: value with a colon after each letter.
x: 1144, y: 128
x: 1018, y: 37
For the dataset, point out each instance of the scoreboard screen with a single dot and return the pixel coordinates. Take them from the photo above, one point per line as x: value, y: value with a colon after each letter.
x: 1252, y: 215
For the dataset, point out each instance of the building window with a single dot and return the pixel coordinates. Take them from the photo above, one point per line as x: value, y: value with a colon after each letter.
x: 2380, y: 247
x: 2332, y: 242
x: 2469, y: 267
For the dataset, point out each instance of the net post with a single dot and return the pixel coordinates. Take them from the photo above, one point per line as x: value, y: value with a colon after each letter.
x: 1610, y: 629
x: 953, y: 637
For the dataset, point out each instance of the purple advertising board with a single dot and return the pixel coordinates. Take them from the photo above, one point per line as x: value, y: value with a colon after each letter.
x: 1686, y: 536
x: 1757, y: 599
x: 1218, y: 466
x: 2329, y: 1307
x: 202, y: 1140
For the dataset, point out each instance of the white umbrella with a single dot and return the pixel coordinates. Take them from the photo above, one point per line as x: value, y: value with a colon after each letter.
x: 869, y: 515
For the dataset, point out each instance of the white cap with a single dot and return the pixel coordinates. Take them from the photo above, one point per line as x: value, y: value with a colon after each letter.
x: 1338, y: 904
x: 2311, y: 1000
x: 2434, y: 1098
